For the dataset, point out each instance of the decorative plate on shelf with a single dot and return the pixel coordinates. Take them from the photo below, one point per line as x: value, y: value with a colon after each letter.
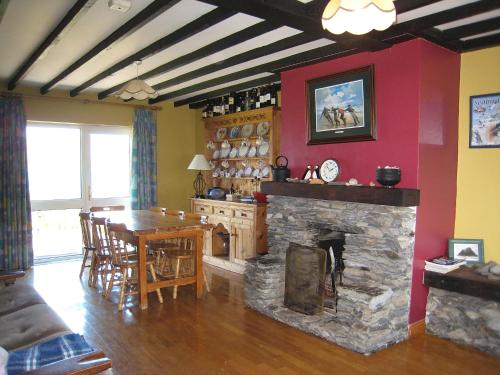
x: 240, y: 173
x: 248, y: 171
x: 224, y: 153
x: 234, y: 132
x: 243, y: 151
x: 216, y: 154
x: 256, y: 173
x: 216, y: 172
x: 247, y: 130
x: 252, y: 152
x: 232, y: 171
x: 234, y: 152
x: 263, y: 148
x: 263, y: 128
x: 266, y: 171
x: 221, y: 134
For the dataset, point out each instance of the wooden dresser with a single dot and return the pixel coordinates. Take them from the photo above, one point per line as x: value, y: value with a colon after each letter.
x: 243, y: 225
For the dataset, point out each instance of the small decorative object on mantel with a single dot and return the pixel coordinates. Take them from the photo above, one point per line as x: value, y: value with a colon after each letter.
x: 388, y: 176
x: 353, y: 182
x: 280, y: 171
x: 307, y: 173
x: 329, y: 170
x: 472, y: 251
x: 484, y: 121
x: 316, y: 181
x: 341, y: 107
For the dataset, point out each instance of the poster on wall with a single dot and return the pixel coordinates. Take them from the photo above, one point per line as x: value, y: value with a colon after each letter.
x: 484, y: 121
x: 341, y: 107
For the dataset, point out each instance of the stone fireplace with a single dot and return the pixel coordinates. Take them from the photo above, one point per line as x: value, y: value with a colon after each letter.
x: 373, y: 300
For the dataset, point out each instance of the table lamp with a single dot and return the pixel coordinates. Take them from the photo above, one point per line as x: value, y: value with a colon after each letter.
x: 199, y: 163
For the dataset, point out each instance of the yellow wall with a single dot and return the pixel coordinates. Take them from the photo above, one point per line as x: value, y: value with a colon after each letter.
x: 176, y: 136
x: 176, y: 147
x: 478, y: 180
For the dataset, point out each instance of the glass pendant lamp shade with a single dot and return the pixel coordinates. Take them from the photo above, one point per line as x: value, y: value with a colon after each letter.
x: 358, y: 16
x: 137, y: 89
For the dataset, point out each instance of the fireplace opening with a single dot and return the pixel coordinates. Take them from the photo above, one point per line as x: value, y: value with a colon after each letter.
x: 312, y: 274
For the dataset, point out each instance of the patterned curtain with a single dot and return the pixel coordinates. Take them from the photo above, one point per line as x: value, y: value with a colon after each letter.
x: 16, y: 248
x: 143, y: 189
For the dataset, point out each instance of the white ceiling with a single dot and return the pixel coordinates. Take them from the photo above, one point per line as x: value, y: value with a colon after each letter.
x: 27, y: 23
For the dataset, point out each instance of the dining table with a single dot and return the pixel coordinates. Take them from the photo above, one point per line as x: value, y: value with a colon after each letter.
x: 144, y: 226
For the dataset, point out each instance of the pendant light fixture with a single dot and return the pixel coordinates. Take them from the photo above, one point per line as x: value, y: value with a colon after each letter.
x: 358, y: 16
x: 137, y: 88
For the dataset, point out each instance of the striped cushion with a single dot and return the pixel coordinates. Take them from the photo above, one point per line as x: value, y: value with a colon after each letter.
x: 48, y: 352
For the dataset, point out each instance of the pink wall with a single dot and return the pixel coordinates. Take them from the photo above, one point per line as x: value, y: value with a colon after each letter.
x: 396, y: 76
x: 437, y: 160
x: 416, y: 94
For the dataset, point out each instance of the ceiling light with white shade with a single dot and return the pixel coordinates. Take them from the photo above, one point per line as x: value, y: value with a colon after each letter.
x: 137, y: 89
x: 358, y: 16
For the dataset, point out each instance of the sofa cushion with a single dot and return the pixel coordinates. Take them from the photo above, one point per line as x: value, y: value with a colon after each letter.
x: 17, y: 297
x: 46, y: 353
x: 30, y: 325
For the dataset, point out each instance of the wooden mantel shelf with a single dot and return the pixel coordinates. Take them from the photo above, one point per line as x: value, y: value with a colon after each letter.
x: 358, y: 194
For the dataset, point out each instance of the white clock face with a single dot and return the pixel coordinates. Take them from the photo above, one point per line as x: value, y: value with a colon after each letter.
x: 329, y: 170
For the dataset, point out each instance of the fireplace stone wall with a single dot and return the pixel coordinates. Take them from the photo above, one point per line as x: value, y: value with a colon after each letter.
x: 373, y: 305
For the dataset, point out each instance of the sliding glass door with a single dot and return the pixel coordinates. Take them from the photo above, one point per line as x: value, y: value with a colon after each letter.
x: 73, y: 167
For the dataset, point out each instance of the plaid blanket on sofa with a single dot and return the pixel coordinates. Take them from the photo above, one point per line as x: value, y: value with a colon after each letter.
x: 47, y: 352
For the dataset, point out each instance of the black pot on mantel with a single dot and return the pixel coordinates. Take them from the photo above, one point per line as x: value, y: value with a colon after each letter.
x: 388, y: 176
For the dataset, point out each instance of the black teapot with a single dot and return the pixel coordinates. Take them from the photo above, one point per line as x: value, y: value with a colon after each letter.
x: 280, y: 171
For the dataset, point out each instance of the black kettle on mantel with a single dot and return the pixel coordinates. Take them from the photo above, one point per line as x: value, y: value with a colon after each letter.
x: 280, y: 170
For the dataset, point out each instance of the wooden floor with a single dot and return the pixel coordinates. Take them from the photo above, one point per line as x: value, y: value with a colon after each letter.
x: 219, y: 335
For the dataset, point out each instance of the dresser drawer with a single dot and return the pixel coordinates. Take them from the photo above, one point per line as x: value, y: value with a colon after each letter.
x: 203, y: 209
x: 223, y: 211
x: 243, y: 214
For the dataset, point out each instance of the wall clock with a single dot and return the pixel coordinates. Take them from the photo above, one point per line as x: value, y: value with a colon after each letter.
x: 329, y: 170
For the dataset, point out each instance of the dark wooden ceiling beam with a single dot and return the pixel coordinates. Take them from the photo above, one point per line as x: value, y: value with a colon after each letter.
x: 200, y: 24
x: 423, y: 23
x: 147, y: 14
x: 280, y: 45
x: 273, y: 66
x: 293, y: 14
x: 241, y: 86
x: 472, y: 29
x: 483, y: 42
x: 217, y: 46
x: 68, y: 21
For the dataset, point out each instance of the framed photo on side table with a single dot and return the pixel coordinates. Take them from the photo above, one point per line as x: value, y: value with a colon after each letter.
x: 341, y: 107
x: 472, y: 251
x: 484, y: 121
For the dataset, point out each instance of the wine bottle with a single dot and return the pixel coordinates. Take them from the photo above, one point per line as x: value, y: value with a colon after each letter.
x: 248, y: 102
x: 239, y: 102
x: 253, y: 94
x: 210, y: 109
x: 274, y: 96
x: 268, y: 95
x: 231, y: 103
x: 226, y: 104
x: 204, y: 113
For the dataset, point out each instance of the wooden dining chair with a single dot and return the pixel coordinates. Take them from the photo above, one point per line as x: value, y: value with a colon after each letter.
x: 181, y: 257
x: 88, y: 246
x: 101, y: 265
x: 107, y: 208
x: 125, y: 265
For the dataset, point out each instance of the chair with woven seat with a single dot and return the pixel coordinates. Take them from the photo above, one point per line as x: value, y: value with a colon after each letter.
x: 125, y: 265
x: 88, y: 247
x: 107, y: 208
x: 101, y: 263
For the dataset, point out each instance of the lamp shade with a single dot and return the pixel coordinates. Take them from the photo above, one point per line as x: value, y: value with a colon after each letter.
x: 137, y: 89
x: 199, y: 163
x: 358, y: 16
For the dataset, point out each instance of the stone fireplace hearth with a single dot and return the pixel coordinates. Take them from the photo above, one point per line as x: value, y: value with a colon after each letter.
x: 373, y: 303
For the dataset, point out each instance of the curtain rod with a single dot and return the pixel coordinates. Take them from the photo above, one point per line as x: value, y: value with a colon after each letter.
x: 84, y: 101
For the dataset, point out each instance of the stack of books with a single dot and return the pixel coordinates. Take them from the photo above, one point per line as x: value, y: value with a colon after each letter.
x: 443, y: 265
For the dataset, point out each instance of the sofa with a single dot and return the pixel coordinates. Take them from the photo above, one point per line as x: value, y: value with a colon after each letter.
x: 27, y: 321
